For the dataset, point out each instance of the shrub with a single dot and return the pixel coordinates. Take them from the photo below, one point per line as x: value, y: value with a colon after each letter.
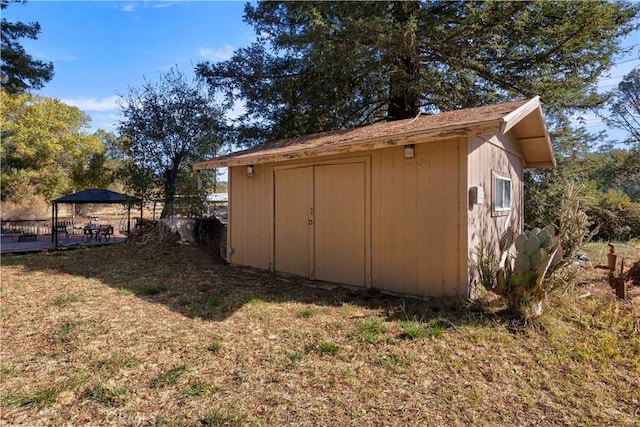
x: 574, y: 223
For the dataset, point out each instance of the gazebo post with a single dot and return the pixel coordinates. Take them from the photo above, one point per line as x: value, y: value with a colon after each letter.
x: 53, y: 220
x: 54, y: 229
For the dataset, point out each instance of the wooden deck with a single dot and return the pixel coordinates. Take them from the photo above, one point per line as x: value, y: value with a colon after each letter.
x: 42, y: 243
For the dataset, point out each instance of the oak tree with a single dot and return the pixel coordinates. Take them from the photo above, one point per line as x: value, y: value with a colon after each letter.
x: 43, y: 142
x: 167, y: 125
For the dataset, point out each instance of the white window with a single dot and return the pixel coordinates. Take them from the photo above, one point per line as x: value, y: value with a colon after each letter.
x: 501, y: 193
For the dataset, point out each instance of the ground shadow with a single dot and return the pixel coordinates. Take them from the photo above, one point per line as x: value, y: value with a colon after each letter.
x: 188, y: 281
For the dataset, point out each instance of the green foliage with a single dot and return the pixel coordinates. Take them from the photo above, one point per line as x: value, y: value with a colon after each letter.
x: 521, y: 278
x: 104, y: 395
x: 224, y: 417
x: 437, y: 327
x: 369, y: 330
x: 39, y: 399
x: 166, y: 126
x: 485, y: 264
x: 214, y: 347
x: 327, y: 347
x: 45, y: 150
x: 308, y: 312
x: 412, y: 330
x: 575, y: 226
x: 119, y: 361
x: 318, y: 66
x: 601, y: 174
x: 153, y: 290
x: 65, y: 299
x: 19, y: 71
x: 616, y: 217
x: 625, y: 107
x: 199, y: 389
x: 168, y: 377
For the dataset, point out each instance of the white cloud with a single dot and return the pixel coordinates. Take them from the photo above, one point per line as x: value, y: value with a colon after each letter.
x: 217, y: 54
x: 93, y: 104
x: 129, y: 7
x: 164, y: 4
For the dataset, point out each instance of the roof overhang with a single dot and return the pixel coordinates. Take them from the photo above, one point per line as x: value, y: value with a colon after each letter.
x: 528, y: 125
x: 524, y: 118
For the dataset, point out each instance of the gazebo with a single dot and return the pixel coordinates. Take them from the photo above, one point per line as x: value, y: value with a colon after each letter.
x: 91, y: 195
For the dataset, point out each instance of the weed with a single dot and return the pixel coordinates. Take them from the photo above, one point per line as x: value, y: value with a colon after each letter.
x: 214, y: 347
x: 8, y: 371
x: 308, y: 312
x: 412, y: 330
x: 167, y: 378
x: 120, y: 360
x: 41, y: 399
x: 104, y: 395
x: 214, y: 300
x: 223, y: 417
x: 153, y: 290
x: 296, y: 357
x: 371, y: 329
x: 124, y: 291
x: 199, y: 389
x: 395, y: 363
x: 256, y: 301
x: 67, y: 332
x: 437, y: 327
x: 65, y: 299
x: 327, y: 347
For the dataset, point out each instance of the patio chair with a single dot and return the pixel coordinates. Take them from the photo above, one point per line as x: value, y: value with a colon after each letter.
x: 106, y: 231
x: 88, y: 233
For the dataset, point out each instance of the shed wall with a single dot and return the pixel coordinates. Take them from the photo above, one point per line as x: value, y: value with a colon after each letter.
x: 250, y: 217
x: 488, y: 154
x: 416, y: 236
x: 419, y: 234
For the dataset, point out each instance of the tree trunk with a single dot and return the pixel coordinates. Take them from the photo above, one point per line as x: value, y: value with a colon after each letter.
x: 404, y: 87
x: 170, y: 178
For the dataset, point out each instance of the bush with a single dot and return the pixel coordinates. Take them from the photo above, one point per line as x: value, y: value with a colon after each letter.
x: 615, y: 217
x: 575, y: 226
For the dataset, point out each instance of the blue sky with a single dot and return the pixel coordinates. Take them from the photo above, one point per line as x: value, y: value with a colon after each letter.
x: 101, y: 48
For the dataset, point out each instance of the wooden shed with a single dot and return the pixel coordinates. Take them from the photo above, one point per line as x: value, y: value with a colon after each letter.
x: 396, y: 206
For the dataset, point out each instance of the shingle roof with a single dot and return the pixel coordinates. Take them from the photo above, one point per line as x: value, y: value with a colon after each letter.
x: 96, y: 195
x: 465, y: 122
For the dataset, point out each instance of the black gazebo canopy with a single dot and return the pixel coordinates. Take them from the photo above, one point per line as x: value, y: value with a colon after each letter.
x: 91, y: 195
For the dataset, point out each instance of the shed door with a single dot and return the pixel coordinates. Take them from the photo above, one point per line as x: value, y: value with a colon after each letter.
x: 293, y: 212
x: 320, y: 224
x: 339, y: 235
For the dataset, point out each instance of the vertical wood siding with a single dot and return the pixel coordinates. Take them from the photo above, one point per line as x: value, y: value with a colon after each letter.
x: 419, y: 228
x: 487, y: 154
x: 251, y: 217
x: 419, y: 242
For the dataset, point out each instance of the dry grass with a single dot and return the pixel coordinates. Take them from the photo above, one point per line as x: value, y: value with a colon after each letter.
x: 158, y: 335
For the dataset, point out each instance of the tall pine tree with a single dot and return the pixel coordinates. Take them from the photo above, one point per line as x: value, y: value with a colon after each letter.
x: 318, y: 66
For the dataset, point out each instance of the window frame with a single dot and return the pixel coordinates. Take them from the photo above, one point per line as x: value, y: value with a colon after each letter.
x: 499, y: 178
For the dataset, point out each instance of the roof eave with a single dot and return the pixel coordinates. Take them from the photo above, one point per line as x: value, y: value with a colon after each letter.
x: 417, y: 137
x: 510, y: 122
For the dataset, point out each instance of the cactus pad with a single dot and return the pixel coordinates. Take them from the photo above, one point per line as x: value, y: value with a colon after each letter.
x: 521, y: 242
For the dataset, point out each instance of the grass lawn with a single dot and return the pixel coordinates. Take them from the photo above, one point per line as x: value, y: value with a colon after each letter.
x: 156, y: 334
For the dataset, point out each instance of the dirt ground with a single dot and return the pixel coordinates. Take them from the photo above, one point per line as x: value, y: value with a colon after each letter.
x: 152, y: 332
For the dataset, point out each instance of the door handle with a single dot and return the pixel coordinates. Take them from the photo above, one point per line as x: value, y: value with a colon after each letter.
x: 310, y: 222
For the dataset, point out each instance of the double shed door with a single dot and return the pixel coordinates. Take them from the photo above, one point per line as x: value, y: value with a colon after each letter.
x: 320, y: 222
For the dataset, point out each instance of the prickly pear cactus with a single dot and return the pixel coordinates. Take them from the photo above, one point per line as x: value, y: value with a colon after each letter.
x: 520, y: 277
